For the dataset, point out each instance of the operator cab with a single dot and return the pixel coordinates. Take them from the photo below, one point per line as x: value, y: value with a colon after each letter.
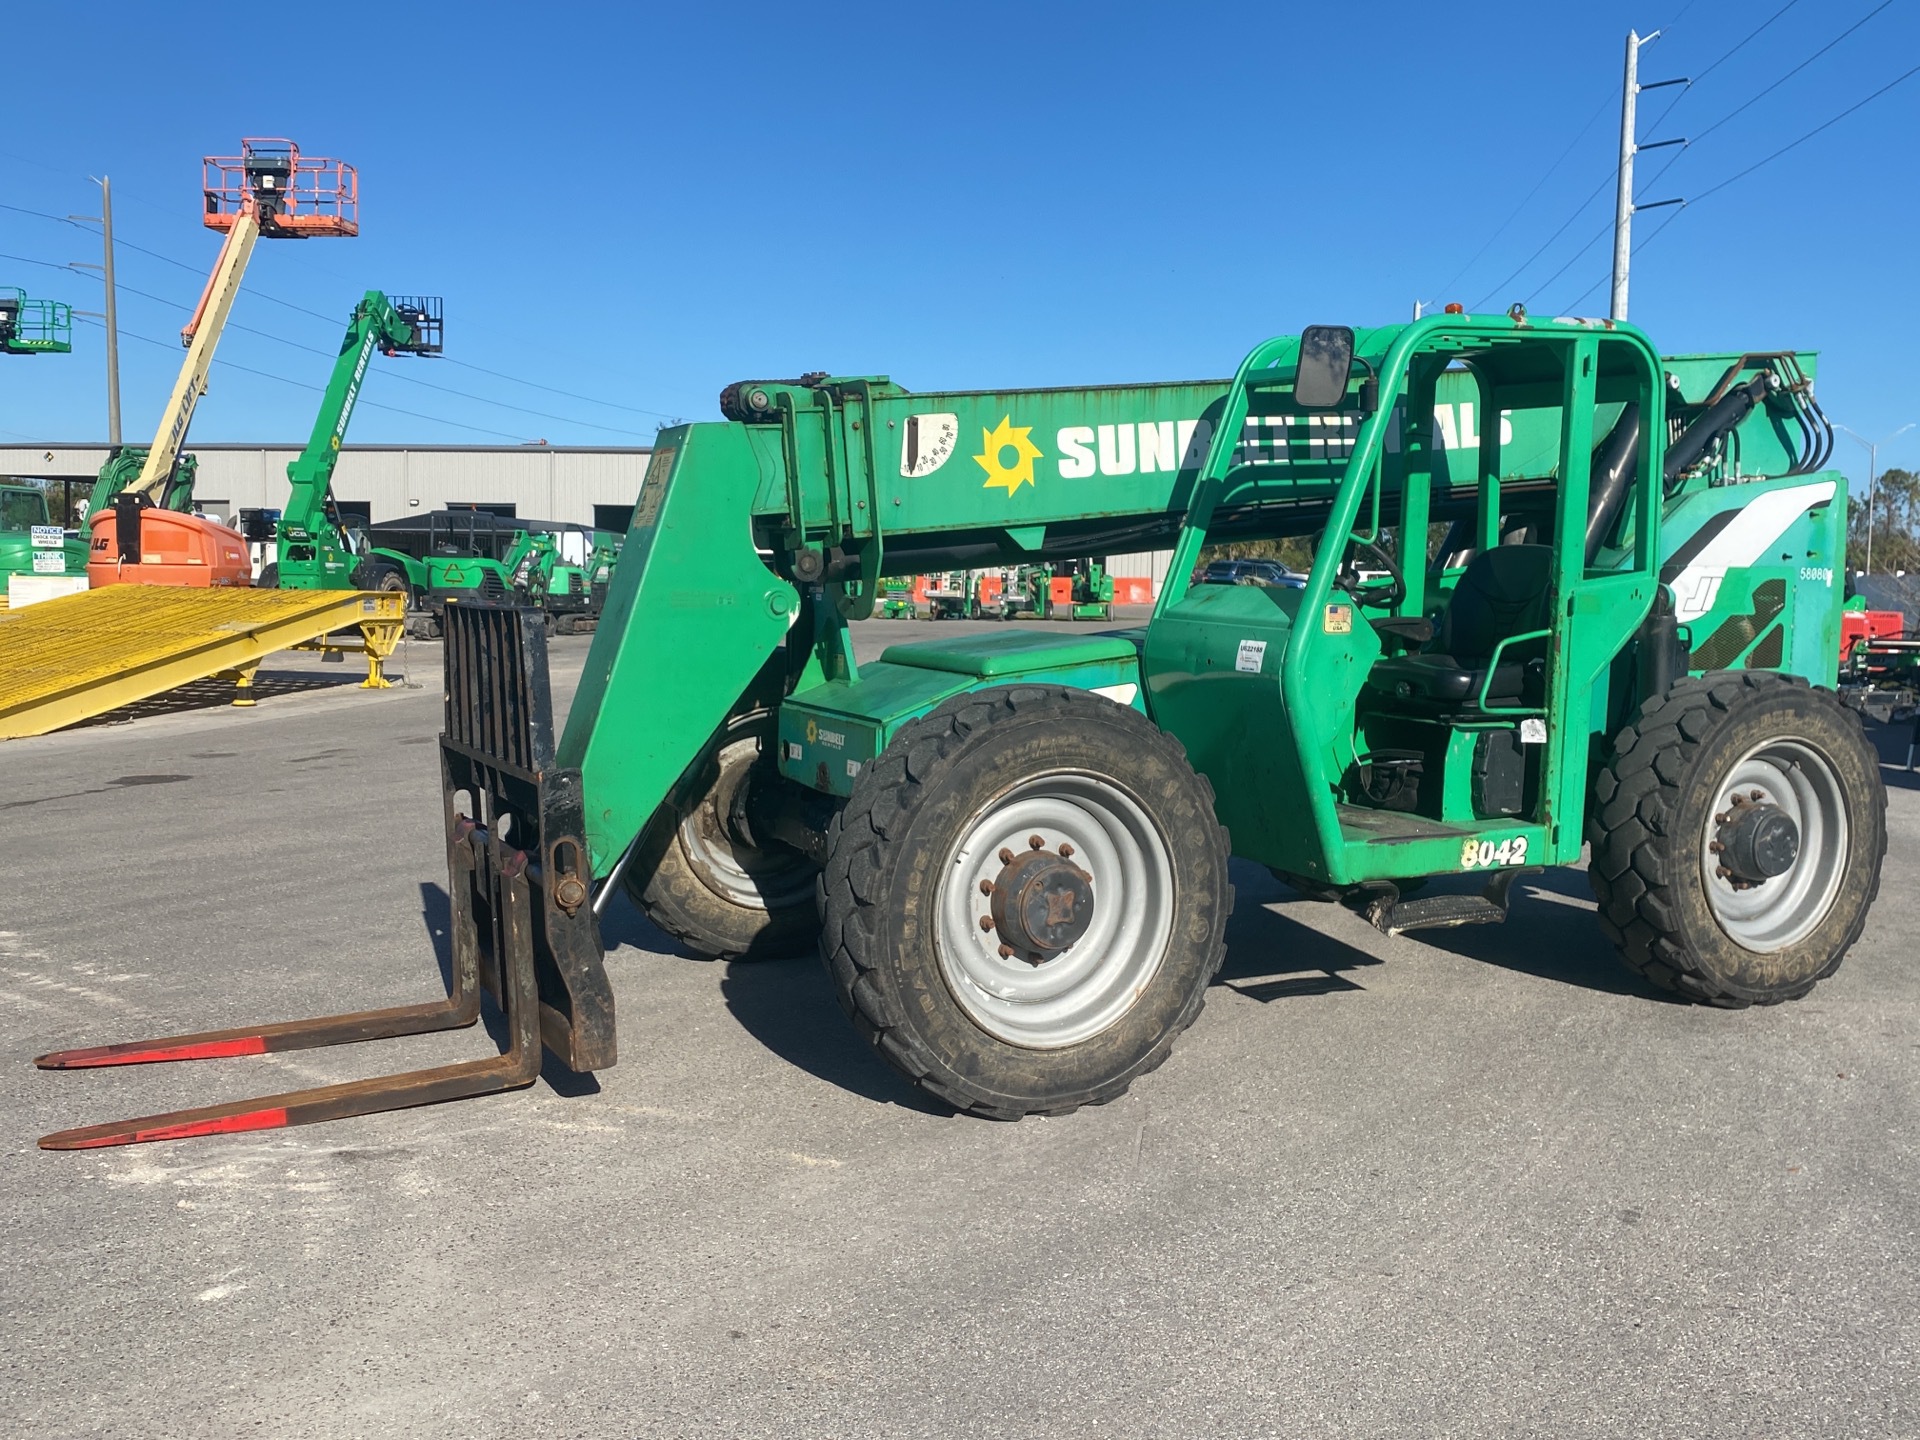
x: 1474, y: 487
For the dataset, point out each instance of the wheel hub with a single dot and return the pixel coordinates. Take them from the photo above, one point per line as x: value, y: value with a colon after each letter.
x: 1756, y: 841
x: 1040, y: 902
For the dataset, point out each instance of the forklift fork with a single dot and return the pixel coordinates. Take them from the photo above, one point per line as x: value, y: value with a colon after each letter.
x: 520, y: 926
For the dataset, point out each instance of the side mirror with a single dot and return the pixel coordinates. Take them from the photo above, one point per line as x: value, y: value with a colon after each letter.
x: 1326, y: 360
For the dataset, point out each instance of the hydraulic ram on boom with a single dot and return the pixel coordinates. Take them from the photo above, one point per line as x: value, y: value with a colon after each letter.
x: 1564, y: 593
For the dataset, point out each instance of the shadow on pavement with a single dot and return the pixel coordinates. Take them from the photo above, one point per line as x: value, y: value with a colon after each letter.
x: 1552, y: 933
x: 268, y: 685
x: 1271, y: 955
x: 789, y: 1007
x: 1895, y: 741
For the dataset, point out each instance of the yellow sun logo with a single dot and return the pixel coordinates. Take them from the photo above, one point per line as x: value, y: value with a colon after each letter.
x: 994, y: 445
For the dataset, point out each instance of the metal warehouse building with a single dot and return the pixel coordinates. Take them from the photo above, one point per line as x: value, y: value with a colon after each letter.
x: 587, y: 486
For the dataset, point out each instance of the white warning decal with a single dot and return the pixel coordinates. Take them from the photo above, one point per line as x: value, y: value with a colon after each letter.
x: 1748, y: 536
x: 1252, y: 655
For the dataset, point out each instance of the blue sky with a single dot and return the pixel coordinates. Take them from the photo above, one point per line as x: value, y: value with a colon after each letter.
x: 639, y: 204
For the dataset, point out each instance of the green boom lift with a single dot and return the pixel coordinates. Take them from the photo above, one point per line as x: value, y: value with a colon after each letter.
x: 34, y: 327
x: 1019, y: 840
x: 30, y: 543
x: 313, y: 548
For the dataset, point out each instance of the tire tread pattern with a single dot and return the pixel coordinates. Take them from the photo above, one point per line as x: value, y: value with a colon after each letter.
x: 1631, y: 868
x: 880, y: 811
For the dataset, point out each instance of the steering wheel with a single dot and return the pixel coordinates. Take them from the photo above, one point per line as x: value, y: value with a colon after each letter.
x: 1377, y: 597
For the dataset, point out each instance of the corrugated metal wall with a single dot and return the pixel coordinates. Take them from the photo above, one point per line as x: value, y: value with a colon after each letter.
x: 1149, y: 565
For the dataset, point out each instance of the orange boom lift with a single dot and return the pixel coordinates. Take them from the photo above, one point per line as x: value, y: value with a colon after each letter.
x: 269, y: 190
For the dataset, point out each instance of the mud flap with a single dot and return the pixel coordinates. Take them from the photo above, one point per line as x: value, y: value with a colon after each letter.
x: 517, y: 884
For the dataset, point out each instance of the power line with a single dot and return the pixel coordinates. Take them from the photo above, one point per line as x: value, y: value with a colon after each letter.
x: 409, y: 379
x: 551, y: 390
x: 304, y: 385
x: 1795, y: 144
x: 1612, y: 173
x: 1579, y: 210
x: 125, y: 244
x: 1545, y: 175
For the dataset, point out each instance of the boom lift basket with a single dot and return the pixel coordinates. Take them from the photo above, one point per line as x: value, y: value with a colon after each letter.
x: 518, y: 886
x: 295, y: 196
x: 34, y: 327
x: 422, y: 314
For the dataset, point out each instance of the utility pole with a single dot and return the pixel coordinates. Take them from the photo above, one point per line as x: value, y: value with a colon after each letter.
x: 111, y: 315
x: 113, y: 322
x: 1873, y: 469
x: 1623, y: 206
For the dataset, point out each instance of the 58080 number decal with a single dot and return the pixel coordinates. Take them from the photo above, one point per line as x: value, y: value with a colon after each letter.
x: 1478, y: 854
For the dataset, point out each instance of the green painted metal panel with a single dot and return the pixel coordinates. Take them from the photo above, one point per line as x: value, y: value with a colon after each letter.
x: 1014, y: 653
x: 828, y: 732
x: 692, y: 616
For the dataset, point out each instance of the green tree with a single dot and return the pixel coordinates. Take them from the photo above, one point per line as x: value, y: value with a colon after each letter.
x: 1896, y: 525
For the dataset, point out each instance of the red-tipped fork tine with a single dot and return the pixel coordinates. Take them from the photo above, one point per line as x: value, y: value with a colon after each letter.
x: 511, y: 952
x: 449, y: 1014
x: 510, y: 1071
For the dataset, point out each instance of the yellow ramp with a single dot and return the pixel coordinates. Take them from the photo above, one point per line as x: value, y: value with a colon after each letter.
x: 64, y: 660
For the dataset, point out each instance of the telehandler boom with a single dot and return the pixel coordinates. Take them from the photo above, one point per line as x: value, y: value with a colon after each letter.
x: 312, y: 549
x: 1011, y: 849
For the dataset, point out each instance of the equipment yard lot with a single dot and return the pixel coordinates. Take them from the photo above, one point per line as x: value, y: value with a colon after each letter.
x: 1483, y: 1183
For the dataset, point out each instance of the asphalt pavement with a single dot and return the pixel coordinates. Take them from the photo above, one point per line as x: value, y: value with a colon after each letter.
x: 1483, y: 1184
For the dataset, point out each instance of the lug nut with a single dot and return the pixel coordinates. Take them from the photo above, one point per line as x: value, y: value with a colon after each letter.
x: 1753, y: 794
x: 1006, y: 952
x: 986, y: 887
x: 1034, y: 842
x: 1716, y: 847
x: 986, y: 922
x: 1723, y: 872
x: 1066, y: 851
x: 1006, y: 856
x: 1722, y: 818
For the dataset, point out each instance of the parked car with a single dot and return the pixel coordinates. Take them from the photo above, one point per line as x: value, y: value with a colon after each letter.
x: 1250, y: 572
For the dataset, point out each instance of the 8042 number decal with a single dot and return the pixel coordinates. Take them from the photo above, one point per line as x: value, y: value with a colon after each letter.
x: 1479, y: 854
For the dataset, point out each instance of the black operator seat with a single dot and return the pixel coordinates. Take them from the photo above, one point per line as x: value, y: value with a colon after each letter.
x: 1504, y: 592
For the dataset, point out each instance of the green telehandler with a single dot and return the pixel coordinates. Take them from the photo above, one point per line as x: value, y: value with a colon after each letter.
x: 1610, y: 619
x: 313, y: 548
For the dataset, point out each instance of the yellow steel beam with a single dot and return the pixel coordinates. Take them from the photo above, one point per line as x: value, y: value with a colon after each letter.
x: 64, y: 660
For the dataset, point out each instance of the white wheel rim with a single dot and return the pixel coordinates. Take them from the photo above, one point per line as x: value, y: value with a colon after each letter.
x: 753, y: 879
x: 1774, y: 914
x: 1089, y: 986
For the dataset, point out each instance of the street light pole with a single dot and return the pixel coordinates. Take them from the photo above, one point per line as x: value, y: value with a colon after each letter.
x: 1873, y: 466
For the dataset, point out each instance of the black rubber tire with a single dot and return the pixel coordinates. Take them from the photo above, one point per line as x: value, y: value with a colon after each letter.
x: 907, y: 811
x: 670, y: 885
x: 389, y: 579
x: 1651, y: 802
x: 269, y: 576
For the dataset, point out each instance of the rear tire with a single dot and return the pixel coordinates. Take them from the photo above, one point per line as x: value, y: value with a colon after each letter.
x: 1676, y: 783
x: 698, y: 880
x: 949, y: 809
x: 269, y: 577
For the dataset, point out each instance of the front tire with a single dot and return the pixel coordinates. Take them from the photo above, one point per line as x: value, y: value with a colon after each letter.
x: 702, y: 882
x: 1106, y: 933
x: 1694, y: 902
